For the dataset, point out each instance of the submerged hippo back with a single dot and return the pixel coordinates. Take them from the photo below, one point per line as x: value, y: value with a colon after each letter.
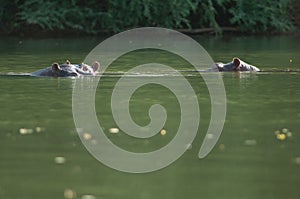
x: 64, y: 70
x: 67, y: 70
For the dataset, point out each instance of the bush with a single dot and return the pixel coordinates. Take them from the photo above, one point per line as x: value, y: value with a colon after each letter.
x: 60, y: 15
x: 262, y: 16
x: 125, y: 14
x: 94, y: 16
x: 8, y: 10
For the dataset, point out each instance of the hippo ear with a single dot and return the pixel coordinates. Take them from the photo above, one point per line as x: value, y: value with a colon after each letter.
x: 236, y: 62
x: 68, y: 62
x: 96, y: 66
x: 55, y: 67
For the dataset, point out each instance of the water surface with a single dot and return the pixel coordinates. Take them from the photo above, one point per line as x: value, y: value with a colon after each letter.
x: 247, y: 162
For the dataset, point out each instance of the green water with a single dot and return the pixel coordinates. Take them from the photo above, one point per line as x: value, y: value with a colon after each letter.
x: 257, y: 106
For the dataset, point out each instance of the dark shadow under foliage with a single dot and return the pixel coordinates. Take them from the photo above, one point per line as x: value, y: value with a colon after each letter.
x: 97, y: 16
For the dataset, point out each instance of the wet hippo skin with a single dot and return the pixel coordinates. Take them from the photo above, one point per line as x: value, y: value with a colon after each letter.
x: 68, y: 70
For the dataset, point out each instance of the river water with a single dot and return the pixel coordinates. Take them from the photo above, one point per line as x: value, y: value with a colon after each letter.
x: 42, y: 156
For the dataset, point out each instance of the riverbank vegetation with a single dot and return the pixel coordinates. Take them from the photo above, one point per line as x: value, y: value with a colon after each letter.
x: 34, y: 17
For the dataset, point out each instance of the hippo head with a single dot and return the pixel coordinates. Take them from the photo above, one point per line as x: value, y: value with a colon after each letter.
x: 64, y: 70
x: 231, y: 66
x: 225, y: 67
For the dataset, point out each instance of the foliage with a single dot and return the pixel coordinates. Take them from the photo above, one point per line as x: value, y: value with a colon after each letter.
x: 94, y: 16
x: 123, y: 14
x: 8, y: 10
x: 59, y: 15
x: 261, y: 16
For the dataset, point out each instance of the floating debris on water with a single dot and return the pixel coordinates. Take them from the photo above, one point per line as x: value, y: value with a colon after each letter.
x: 114, y: 130
x: 60, y: 160
x: 250, y: 142
x: 87, y: 136
x: 283, y: 134
x: 69, y: 194
x: 289, y: 134
x: 88, y: 197
x: 39, y: 129
x: 285, y: 130
x: 25, y: 131
x: 222, y: 147
x: 277, y: 132
x: 163, y: 132
x: 297, y: 160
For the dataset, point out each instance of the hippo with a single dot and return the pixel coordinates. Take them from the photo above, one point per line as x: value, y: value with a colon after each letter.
x: 236, y: 65
x: 68, y: 70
